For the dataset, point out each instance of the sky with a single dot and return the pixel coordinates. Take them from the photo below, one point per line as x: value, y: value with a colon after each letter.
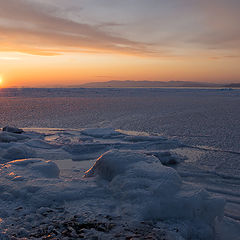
x: 70, y: 42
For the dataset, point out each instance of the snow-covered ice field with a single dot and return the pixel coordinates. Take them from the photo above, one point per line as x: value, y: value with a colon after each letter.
x: 120, y: 163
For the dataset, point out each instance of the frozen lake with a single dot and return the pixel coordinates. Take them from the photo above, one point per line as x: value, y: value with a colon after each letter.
x: 205, y: 122
x: 207, y: 117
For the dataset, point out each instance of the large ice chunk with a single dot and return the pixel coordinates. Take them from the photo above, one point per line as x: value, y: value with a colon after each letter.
x: 148, y: 190
x: 7, y: 138
x: 115, y: 162
x: 100, y: 132
x: 18, y: 152
x: 30, y: 168
x: 12, y: 129
x: 38, y: 143
x: 11, y: 137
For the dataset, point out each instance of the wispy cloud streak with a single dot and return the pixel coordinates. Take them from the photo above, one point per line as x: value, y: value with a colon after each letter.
x: 27, y: 27
x: 136, y: 27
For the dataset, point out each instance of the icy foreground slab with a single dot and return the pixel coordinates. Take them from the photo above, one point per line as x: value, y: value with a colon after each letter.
x: 127, y: 185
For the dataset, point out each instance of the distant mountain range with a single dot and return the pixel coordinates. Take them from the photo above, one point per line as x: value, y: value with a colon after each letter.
x: 129, y: 83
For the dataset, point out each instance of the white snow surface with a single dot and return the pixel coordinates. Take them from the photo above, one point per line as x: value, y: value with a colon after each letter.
x: 110, y: 178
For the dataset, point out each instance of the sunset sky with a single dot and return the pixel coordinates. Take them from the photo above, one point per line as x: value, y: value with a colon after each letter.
x: 70, y: 42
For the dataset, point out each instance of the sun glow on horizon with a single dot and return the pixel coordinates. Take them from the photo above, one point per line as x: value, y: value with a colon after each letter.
x: 43, y: 45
